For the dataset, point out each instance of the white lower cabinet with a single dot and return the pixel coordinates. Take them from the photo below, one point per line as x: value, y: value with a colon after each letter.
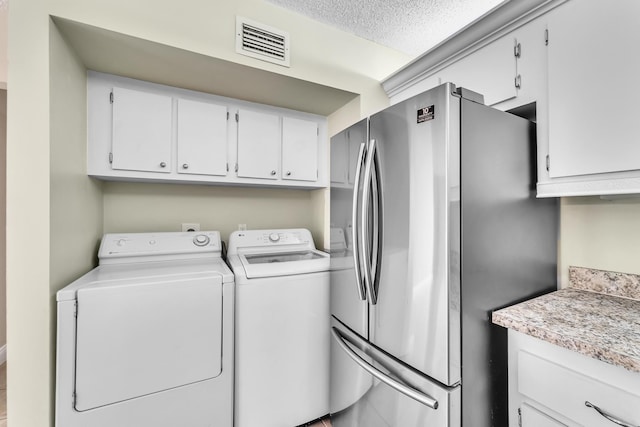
x: 141, y: 131
x: 531, y: 417
x: 550, y: 386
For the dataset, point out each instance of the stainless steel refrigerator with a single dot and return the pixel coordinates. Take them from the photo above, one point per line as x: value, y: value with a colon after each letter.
x: 434, y: 224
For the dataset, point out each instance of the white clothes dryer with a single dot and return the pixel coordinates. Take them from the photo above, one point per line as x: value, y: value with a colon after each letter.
x: 282, y: 328
x: 146, y: 338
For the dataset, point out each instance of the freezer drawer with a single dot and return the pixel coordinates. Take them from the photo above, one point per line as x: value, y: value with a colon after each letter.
x: 364, y: 389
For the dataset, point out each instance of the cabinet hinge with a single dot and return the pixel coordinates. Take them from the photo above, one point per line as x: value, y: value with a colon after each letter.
x: 227, y: 167
x: 227, y: 115
x: 518, y: 81
x: 238, y: 117
x: 546, y: 37
x: 110, y: 157
x: 519, y: 417
x: 75, y: 309
x: 111, y: 97
x: 74, y: 398
x: 517, y: 50
x: 548, y: 162
x: 236, y: 167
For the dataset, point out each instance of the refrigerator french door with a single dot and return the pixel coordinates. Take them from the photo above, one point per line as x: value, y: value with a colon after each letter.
x: 438, y: 226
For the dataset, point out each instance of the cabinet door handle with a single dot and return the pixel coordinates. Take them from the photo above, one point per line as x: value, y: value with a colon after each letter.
x: 289, y: 173
x: 608, y: 416
x: 185, y: 166
x: 163, y: 164
x: 273, y: 172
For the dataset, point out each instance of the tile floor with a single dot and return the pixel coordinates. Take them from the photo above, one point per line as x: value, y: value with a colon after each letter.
x: 3, y: 395
x: 325, y: 422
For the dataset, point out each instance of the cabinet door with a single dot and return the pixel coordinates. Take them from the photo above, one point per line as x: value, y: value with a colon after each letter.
x: 258, y: 145
x: 533, y: 418
x: 299, y: 149
x: 357, y: 135
x: 593, y: 87
x: 339, y: 158
x: 202, y: 138
x: 141, y: 138
x: 489, y: 71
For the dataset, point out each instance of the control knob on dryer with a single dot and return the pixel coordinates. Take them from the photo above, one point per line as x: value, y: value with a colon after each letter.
x: 201, y: 240
x: 274, y: 237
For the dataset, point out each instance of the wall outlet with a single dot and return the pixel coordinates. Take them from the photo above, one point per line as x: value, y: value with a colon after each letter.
x: 190, y: 226
x: 242, y: 227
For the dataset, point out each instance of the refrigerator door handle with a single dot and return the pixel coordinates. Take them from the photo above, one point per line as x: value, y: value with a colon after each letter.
x: 376, y: 260
x: 355, y: 225
x: 391, y: 382
x: 365, y: 241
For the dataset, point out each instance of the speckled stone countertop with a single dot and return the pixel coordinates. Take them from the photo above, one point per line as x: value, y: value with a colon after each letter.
x: 603, y: 323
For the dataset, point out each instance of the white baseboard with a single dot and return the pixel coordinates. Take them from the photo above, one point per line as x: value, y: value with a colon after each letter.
x: 3, y: 354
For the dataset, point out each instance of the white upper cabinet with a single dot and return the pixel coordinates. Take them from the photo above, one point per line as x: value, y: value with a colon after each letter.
x: 202, y: 138
x: 594, y: 88
x: 575, y: 73
x: 339, y: 158
x: 258, y: 145
x: 299, y: 149
x: 356, y: 136
x: 490, y: 71
x: 141, y: 131
x: 345, y: 148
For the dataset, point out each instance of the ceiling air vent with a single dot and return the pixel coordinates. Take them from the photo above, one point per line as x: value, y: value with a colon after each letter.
x: 262, y: 42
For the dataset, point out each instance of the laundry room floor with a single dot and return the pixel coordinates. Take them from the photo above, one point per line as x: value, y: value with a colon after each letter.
x: 325, y: 422
x: 3, y: 395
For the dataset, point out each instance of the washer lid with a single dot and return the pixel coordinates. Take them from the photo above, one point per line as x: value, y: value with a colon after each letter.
x: 285, y: 263
x: 144, y: 337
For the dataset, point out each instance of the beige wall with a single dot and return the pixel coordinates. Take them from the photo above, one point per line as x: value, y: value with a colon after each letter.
x: 602, y: 234
x: 3, y: 217
x: 141, y: 207
x: 29, y: 304
x: 319, y: 53
x: 55, y: 214
x: 76, y: 208
x: 3, y: 46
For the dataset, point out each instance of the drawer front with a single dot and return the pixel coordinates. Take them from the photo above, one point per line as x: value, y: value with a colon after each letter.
x: 531, y: 417
x: 566, y: 391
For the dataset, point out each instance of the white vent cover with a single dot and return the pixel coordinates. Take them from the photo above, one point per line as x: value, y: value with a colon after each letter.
x: 262, y: 42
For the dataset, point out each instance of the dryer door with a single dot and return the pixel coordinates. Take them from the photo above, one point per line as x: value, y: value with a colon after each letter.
x: 135, y: 339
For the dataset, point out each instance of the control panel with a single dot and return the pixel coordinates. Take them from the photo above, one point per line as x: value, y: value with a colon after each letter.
x: 298, y: 237
x: 159, y: 244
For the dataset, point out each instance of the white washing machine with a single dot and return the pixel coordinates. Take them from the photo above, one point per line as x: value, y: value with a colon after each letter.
x: 146, y: 338
x: 282, y: 328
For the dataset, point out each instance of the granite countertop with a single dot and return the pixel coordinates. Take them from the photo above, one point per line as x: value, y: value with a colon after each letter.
x: 596, y: 316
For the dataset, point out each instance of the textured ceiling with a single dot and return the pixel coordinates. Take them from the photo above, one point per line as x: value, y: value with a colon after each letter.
x: 410, y: 26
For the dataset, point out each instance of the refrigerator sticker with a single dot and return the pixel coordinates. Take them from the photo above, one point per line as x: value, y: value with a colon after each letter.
x: 426, y: 113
